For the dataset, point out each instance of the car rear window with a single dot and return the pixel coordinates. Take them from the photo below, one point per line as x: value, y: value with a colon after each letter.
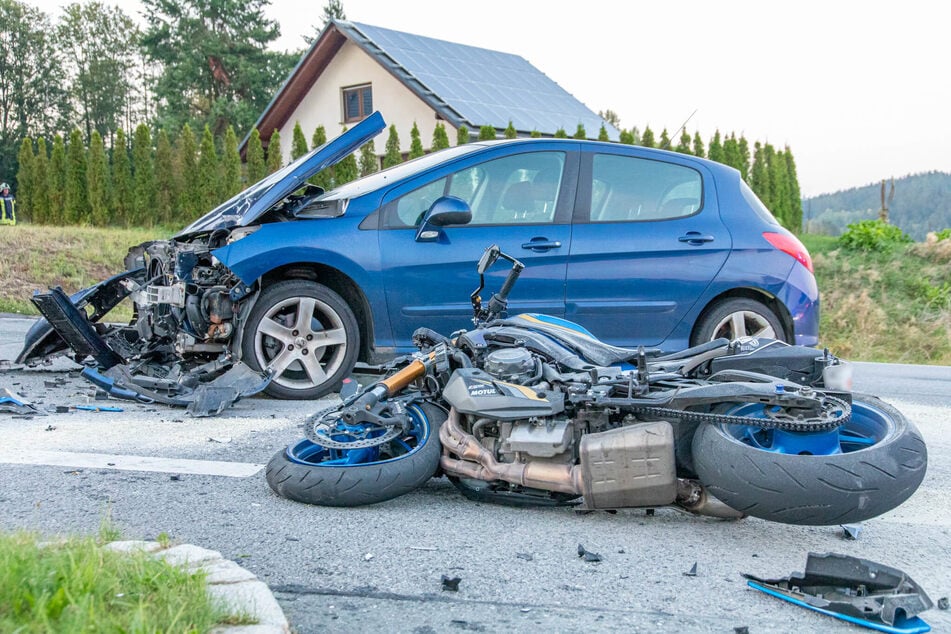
x: 750, y: 196
x: 630, y: 189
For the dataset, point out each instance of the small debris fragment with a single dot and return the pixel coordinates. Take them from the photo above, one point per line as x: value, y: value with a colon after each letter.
x: 851, y: 531
x: 223, y: 439
x: 430, y: 548
x: 101, y: 395
x: 525, y: 556
x: 943, y: 603
x: 742, y: 629
x: 368, y: 557
x: 692, y: 572
x: 50, y: 384
x: 621, y: 551
x: 649, y: 512
x: 50, y: 428
x: 292, y: 539
x: 175, y: 478
x: 450, y: 584
x: 587, y: 555
x: 62, y: 409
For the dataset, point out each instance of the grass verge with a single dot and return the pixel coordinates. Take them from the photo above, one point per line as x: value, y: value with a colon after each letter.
x: 76, y: 586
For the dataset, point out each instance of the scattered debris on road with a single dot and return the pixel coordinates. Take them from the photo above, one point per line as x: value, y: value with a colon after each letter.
x: 692, y: 572
x: 450, y: 584
x: 851, y: 531
x: 587, y: 555
x: 10, y: 403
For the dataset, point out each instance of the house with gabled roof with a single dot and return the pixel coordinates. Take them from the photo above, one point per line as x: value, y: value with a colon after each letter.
x: 352, y: 69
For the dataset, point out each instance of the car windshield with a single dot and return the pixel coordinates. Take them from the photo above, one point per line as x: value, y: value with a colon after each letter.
x: 392, y: 174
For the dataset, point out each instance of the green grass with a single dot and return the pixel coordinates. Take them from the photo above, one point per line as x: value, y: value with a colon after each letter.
x: 76, y: 586
x: 891, y: 306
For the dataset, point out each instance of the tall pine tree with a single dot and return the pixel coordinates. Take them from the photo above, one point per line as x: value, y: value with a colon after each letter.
x: 795, y: 195
x: 41, y: 194
x: 209, y: 171
x: 664, y: 141
x: 731, y: 152
x: 698, y: 145
x: 298, y: 142
x: 393, y: 155
x: 347, y: 170
x: 189, y: 206
x: 510, y: 132
x: 57, y: 182
x: 121, y: 208
x: 580, y: 132
x: 275, y: 159
x: 415, y: 143
x: 759, y: 174
x: 143, y: 178
x: 487, y: 133
x: 561, y: 133
x: 743, y: 150
x: 26, y: 179
x: 647, y: 139
x: 77, y: 203
x: 440, y: 138
x: 166, y: 183
x: 462, y: 135
x: 325, y: 177
x: 716, y: 148
x: 683, y: 146
x: 603, y: 134
x: 230, y: 165
x: 369, y: 161
x: 255, y: 157
x: 626, y: 137
x: 97, y: 182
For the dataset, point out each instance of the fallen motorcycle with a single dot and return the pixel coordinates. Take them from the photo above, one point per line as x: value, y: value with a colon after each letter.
x: 534, y: 410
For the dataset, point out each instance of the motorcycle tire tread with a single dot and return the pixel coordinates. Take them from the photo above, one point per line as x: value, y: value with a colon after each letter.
x: 814, y: 490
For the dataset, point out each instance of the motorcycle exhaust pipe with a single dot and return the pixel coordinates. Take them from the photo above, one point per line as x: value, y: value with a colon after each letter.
x: 693, y: 497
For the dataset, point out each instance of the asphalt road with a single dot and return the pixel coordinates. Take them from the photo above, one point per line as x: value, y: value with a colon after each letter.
x: 379, y: 568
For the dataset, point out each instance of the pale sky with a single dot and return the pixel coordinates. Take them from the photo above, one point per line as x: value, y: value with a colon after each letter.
x: 860, y: 91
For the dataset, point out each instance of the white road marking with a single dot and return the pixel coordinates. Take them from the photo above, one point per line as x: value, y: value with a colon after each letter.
x: 128, y: 463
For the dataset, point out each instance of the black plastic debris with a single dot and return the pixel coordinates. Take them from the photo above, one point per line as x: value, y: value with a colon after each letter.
x: 742, y: 629
x: 50, y: 428
x: 856, y: 590
x: 525, y: 556
x: 12, y: 404
x: 587, y: 555
x: 851, y: 531
x: 943, y: 603
x: 692, y: 572
x: 175, y: 478
x: 450, y: 584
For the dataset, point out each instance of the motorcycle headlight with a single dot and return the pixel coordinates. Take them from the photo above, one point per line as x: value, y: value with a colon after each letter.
x: 241, y: 232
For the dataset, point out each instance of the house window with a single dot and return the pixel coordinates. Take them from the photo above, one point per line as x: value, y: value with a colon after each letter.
x: 357, y: 103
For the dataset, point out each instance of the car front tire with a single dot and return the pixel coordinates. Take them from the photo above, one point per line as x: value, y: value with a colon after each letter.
x: 306, y: 334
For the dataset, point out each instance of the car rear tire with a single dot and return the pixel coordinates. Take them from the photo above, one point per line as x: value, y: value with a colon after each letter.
x: 738, y: 317
x: 307, y: 334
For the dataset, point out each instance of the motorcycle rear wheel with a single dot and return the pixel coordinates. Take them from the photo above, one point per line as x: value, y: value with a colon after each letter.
x: 865, y: 468
x: 306, y: 472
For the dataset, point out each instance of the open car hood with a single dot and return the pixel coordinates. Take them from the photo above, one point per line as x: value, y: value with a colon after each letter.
x: 247, y: 206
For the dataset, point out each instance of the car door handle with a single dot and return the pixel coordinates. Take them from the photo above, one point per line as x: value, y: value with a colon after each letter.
x: 541, y: 244
x: 695, y: 237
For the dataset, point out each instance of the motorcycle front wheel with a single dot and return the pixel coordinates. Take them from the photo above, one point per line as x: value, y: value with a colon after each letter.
x: 865, y: 468
x: 307, y: 472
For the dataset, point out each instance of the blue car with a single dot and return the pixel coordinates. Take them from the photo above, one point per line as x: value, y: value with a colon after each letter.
x: 640, y: 246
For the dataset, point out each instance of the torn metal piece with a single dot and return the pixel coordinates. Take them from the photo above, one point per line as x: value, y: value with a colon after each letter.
x: 856, y: 590
x: 851, y: 531
x: 943, y: 603
x: 200, y: 399
x: 587, y: 555
x: 451, y: 584
x: 11, y: 404
x: 692, y: 572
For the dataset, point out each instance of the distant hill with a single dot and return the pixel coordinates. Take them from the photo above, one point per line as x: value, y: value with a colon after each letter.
x: 922, y: 203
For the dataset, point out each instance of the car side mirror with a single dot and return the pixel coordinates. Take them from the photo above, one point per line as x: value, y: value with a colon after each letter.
x: 445, y: 211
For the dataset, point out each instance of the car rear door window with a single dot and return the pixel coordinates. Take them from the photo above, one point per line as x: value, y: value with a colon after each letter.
x: 631, y: 189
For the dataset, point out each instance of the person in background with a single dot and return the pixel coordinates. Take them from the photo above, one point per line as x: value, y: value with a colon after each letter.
x: 8, y: 214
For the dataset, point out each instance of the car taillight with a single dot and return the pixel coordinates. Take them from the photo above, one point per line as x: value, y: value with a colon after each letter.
x: 791, y: 246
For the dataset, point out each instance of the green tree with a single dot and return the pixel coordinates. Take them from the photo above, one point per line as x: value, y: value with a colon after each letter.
x: 214, y: 59
x: 664, y: 141
x: 743, y: 152
x: 298, y: 143
x: 101, y: 51
x: 716, y: 148
x: 603, y: 134
x: 41, y: 194
x: 325, y: 177
x: 77, y: 204
x: 121, y: 181
x: 275, y: 158
x: 415, y: 143
x: 698, y: 145
x: 759, y: 175
x: 369, y: 161
x: 560, y: 133
x: 393, y: 155
x: 26, y: 179
x: 647, y: 139
x: 683, y: 146
x: 487, y: 133
x: 166, y: 183
x: 580, y: 132
x: 57, y: 182
x: 230, y: 165
x: 32, y: 99
x: 97, y: 181
x: 143, y: 178
x: 510, y: 132
x: 611, y: 117
x: 347, y: 170
x: 778, y: 185
x: 536, y: 134
x: 731, y: 152
x: 626, y: 137
x: 255, y: 157
x: 209, y: 171
x: 186, y: 151
x: 462, y: 135
x: 440, y: 138
x: 795, y: 194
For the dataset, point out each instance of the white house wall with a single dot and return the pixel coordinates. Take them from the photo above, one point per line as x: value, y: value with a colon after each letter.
x: 323, y: 104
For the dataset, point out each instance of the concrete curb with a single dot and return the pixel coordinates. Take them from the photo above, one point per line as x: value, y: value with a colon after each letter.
x: 238, y: 589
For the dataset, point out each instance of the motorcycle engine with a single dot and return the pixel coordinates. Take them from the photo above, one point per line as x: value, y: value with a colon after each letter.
x: 511, y: 364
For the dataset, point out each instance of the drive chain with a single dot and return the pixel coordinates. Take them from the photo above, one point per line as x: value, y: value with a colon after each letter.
x: 836, y: 413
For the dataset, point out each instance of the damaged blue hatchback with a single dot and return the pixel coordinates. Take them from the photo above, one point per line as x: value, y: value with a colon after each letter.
x: 288, y: 286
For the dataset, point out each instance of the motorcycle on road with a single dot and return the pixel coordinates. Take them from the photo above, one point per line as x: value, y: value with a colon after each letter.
x: 534, y: 410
